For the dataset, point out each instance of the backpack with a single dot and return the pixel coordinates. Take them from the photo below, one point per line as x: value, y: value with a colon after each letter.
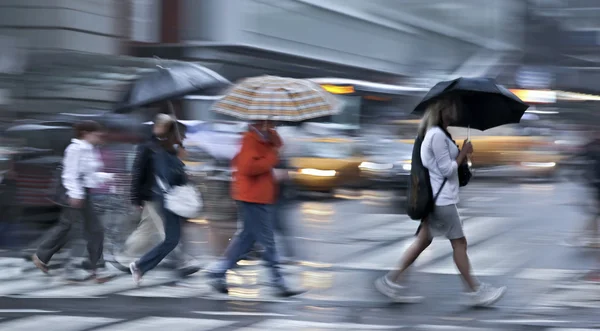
x: 420, y: 196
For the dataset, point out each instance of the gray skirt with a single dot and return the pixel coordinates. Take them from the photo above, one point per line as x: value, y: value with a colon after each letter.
x: 445, y: 221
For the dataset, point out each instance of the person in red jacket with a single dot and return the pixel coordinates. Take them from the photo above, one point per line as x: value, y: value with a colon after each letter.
x: 255, y: 188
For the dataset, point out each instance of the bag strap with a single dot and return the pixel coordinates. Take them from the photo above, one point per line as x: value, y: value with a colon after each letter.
x: 162, y: 184
x: 440, y: 190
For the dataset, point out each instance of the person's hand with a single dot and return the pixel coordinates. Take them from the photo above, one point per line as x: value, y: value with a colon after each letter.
x: 182, y: 154
x: 467, y: 147
x: 76, y: 203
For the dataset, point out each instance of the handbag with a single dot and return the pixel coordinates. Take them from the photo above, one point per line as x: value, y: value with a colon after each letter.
x: 464, y: 174
x: 183, y: 200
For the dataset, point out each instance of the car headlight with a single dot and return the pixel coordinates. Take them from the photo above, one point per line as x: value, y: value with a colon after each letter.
x: 405, y: 165
x: 375, y: 166
x: 539, y: 164
x: 318, y: 172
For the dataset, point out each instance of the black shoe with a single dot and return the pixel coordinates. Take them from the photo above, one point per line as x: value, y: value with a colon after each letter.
x: 187, y: 271
x: 120, y: 266
x: 219, y: 285
x: 88, y: 266
x: 285, y: 292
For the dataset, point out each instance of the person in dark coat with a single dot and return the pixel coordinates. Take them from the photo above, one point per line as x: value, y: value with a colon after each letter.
x: 150, y: 230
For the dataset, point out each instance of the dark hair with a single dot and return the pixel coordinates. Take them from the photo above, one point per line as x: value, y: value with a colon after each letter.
x: 84, y: 127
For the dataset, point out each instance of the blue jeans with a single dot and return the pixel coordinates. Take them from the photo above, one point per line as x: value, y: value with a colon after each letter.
x: 257, y: 227
x: 172, y: 224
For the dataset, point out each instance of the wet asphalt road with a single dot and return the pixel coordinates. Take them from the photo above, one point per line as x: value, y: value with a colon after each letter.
x: 518, y: 234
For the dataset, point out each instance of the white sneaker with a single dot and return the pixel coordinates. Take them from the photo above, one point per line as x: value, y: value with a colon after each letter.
x: 135, y: 273
x: 485, y: 296
x: 395, y: 291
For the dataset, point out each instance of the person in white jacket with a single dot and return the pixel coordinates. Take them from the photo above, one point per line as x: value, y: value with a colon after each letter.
x: 81, y: 166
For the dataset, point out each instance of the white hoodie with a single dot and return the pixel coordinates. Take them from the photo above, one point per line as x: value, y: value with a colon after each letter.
x: 81, y: 166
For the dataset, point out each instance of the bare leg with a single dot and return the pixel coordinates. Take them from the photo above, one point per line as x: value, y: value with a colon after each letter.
x: 461, y: 259
x: 412, y: 253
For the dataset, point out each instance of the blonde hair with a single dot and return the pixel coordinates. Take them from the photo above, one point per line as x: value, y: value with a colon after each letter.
x: 433, y: 114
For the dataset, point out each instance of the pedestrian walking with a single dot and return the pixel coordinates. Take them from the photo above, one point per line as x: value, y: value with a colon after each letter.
x: 80, y: 174
x: 166, y: 166
x: 441, y: 157
x: 151, y: 230
x: 254, y: 189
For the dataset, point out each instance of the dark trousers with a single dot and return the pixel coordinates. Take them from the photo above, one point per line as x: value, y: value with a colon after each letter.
x: 172, y: 225
x: 62, y: 234
x: 258, y: 227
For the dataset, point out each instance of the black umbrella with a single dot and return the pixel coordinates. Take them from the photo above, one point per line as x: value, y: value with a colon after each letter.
x: 169, y: 83
x: 483, y: 103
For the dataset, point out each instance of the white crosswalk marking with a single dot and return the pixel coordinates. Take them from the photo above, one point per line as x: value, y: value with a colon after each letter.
x: 94, y: 290
x: 55, y: 323
x: 552, y: 275
x: 427, y: 327
x: 477, y: 229
x: 570, y: 329
x: 168, y: 323
x: 26, y: 284
x: 153, y: 323
x: 486, y: 260
x: 291, y: 325
x: 169, y: 292
x: 389, y: 231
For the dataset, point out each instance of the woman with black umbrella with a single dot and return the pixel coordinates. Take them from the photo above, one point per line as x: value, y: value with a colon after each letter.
x: 442, y: 158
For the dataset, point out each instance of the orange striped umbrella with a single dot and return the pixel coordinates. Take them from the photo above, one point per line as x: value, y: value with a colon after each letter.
x: 277, y: 99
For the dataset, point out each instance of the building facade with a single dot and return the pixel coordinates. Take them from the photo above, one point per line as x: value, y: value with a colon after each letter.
x: 405, y: 42
x: 61, y: 42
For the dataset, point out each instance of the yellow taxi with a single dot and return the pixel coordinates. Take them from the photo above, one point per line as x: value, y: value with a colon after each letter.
x: 324, y: 164
x: 510, y: 150
x: 507, y: 150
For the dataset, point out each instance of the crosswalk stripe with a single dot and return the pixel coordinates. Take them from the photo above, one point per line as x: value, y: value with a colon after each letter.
x: 27, y: 284
x: 431, y: 327
x: 524, y: 321
x: 241, y: 313
x: 168, y: 291
x: 55, y: 323
x: 27, y: 311
x: 551, y: 275
x: 166, y: 323
x: 91, y: 290
x: 291, y: 325
x: 385, y: 232
x: 489, y: 260
x: 477, y: 229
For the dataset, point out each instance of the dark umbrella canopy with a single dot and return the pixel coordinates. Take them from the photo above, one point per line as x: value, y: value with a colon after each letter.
x: 169, y: 83
x: 483, y: 103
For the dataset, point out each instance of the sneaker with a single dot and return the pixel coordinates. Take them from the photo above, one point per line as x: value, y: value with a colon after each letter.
x: 485, y: 295
x: 394, y: 291
x: 135, y: 273
x: 39, y: 264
